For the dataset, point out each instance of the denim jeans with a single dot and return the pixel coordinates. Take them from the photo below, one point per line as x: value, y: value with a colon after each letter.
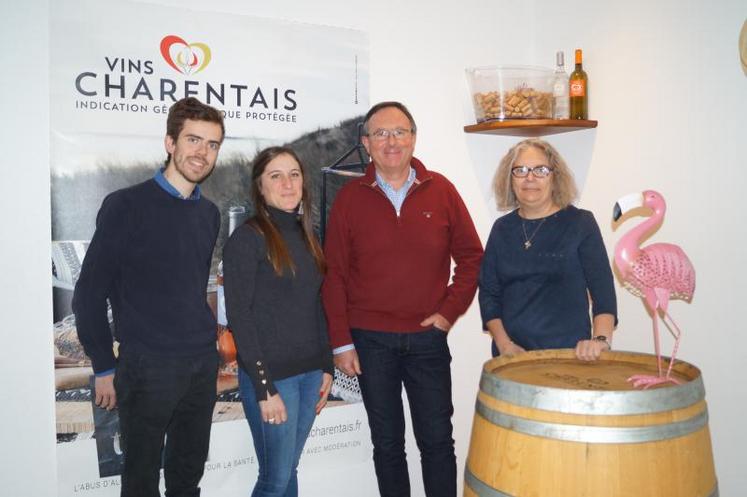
x: 279, y: 446
x: 422, y: 363
x: 171, y: 397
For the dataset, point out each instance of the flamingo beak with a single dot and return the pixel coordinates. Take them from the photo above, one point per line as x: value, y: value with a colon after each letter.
x: 625, y: 204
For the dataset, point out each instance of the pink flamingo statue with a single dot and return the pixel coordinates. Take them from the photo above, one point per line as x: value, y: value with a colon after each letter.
x: 658, y: 272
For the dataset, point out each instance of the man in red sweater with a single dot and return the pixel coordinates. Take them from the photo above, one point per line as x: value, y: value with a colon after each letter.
x: 389, y: 301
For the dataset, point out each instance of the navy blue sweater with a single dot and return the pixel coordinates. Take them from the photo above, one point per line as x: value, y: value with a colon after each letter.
x: 150, y: 256
x: 542, y: 294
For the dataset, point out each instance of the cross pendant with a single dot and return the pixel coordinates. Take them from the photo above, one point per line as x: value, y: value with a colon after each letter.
x: 527, y: 244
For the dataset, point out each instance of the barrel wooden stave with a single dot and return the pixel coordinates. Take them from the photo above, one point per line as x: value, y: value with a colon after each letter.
x: 509, y: 462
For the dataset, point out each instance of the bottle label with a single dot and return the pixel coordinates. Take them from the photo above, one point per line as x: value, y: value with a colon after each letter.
x: 578, y: 88
x: 560, y: 88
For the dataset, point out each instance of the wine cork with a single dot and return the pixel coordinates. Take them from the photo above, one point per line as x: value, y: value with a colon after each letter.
x: 521, y: 103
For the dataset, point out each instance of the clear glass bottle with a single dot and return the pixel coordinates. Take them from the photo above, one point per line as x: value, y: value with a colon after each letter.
x: 560, y: 92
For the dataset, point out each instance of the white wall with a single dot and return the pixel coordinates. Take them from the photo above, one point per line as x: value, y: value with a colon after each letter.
x: 27, y: 431
x: 671, y: 101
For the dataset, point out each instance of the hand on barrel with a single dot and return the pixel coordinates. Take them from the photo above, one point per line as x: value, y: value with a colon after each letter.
x: 509, y: 349
x: 590, y: 350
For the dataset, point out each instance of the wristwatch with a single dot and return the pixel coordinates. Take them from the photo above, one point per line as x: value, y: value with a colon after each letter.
x: 604, y: 339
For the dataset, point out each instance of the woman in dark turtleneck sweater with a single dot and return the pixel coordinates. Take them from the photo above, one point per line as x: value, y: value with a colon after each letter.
x: 273, y: 270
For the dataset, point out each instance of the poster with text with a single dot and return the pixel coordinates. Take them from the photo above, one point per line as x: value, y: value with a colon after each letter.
x: 115, y: 69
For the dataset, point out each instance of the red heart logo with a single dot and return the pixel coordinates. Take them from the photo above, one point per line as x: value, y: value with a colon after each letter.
x: 186, y: 58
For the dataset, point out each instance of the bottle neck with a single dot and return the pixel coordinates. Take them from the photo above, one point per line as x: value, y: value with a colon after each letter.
x: 559, y: 62
x: 579, y: 66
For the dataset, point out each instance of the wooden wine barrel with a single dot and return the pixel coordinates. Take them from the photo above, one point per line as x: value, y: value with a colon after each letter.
x: 549, y: 425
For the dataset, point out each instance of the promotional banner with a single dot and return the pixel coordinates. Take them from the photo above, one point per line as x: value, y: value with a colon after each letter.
x: 115, y: 70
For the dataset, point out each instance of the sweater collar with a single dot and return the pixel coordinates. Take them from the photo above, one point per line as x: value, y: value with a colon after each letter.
x: 161, y: 180
x: 421, y: 173
x: 283, y: 219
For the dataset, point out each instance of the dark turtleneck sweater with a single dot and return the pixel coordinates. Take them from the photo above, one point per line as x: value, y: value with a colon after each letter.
x: 277, y: 321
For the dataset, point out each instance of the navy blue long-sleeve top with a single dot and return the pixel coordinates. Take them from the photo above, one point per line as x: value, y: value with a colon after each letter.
x: 150, y: 256
x: 542, y: 294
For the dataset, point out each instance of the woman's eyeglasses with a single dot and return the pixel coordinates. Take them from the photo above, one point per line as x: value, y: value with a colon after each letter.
x: 537, y: 171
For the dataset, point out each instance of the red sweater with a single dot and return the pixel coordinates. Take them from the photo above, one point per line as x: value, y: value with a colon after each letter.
x: 388, y: 272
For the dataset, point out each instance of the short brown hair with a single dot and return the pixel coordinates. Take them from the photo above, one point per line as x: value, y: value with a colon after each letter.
x: 564, y: 189
x: 194, y: 110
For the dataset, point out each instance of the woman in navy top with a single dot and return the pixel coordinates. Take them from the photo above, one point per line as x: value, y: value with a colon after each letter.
x: 545, y: 263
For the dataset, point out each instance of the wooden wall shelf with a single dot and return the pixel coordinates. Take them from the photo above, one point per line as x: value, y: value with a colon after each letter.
x: 530, y: 127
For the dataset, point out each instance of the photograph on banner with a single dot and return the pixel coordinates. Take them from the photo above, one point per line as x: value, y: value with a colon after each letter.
x: 115, y: 69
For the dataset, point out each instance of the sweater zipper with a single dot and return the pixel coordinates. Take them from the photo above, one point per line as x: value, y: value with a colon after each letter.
x: 409, y: 192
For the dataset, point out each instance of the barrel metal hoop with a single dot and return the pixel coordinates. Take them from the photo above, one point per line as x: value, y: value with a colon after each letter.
x: 593, y: 434
x: 483, y: 490
x: 572, y: 401
x: 480, y: 487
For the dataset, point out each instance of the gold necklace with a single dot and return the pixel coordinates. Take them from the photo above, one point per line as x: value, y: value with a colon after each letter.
x: 528, y: 240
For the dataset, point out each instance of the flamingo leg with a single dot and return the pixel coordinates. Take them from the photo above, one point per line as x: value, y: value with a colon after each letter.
x: 647, y: 381
x: 657, y: 346
x: 677, y: 334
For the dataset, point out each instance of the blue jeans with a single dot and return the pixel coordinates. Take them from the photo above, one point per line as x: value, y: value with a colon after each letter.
x: 279, y: 446
x: 171, y: 397
x: 422, y: 363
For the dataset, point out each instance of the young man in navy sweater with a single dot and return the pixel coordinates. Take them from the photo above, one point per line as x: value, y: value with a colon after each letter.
x: 150, y: 258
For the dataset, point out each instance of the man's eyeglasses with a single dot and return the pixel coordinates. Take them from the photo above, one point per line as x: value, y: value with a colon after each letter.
x: 537, y: 171
x: 384, y: 134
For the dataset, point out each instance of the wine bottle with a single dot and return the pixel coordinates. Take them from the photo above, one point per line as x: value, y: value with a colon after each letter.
x: 560, y: 89
x: 579, y: 91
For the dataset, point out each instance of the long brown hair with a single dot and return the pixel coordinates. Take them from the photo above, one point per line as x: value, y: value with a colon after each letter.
x: 277, y: 251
